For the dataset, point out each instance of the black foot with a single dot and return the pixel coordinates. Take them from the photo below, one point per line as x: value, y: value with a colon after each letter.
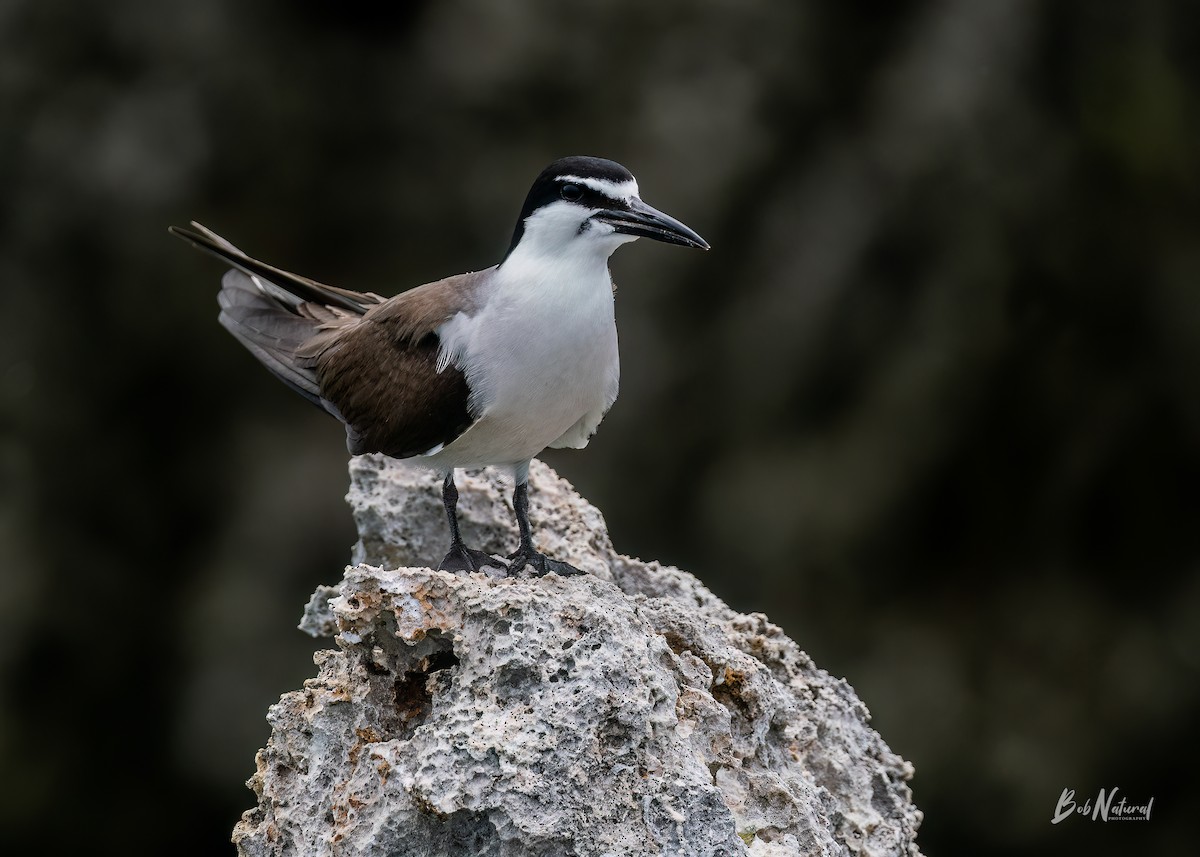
x: 462, y: 559
x: 540, y: 563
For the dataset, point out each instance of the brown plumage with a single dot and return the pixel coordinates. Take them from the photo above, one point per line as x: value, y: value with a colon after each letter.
x: 380, y: 371
x: 370, y: 362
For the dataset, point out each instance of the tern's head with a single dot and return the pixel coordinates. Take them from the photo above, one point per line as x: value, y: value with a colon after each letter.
x: 578, y: 203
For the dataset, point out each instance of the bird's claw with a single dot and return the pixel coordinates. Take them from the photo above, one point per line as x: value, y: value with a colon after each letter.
x: 540, y: 564
x: 463, y: 560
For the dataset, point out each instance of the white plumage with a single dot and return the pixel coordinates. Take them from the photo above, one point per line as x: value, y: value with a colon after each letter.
x: 540, y: 354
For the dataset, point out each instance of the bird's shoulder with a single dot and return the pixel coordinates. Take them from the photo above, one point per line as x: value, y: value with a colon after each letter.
x: 413, y: 315
x: 380, y: 370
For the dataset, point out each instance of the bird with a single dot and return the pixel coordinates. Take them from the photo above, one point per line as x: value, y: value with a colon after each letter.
x: 483, y: 368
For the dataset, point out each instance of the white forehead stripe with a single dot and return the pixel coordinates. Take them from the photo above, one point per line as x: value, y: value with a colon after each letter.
x: 613, y: 190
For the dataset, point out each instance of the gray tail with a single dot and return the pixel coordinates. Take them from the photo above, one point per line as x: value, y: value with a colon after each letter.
x: 274, y: 313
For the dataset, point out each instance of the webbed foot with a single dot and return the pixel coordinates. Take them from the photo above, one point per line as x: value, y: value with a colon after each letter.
x: 540, y: 563
x: 462, y: 560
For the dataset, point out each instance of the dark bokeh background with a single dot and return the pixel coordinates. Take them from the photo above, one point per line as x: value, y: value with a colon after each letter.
x: 931, y: 401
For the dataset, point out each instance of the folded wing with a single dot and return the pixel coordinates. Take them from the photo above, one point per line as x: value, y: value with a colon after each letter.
x: 370, y: 362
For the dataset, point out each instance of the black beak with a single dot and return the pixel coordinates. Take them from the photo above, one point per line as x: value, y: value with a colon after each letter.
x: 646, y: 222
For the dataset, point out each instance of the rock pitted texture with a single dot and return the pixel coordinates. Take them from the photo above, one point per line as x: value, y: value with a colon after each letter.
x: 628, y: 712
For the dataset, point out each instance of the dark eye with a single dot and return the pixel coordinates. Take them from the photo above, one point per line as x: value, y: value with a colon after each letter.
x: 572, y: 192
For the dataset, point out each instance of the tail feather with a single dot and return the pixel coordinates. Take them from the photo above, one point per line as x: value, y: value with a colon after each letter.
x: 264, y: 327
x: 283, y: 286
x: 269, y: 332
x: 259, y: 316
x: 274, y: 313
x: 299, y: 380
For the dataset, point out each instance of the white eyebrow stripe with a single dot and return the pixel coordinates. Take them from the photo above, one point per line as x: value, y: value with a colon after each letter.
x: 613, y: 190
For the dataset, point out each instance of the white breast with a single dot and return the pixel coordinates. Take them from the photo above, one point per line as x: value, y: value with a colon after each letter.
x: 540, y: 356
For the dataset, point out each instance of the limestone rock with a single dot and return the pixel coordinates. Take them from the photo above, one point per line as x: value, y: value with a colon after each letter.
x: 627, y: 712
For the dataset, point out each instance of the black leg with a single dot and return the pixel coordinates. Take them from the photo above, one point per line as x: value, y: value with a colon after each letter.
x: 460, y: 558
x: 521, y: 507
x: 450, y: 504
x: 526, y: 553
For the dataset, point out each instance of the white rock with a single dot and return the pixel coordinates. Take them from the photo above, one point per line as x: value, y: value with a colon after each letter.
x: 627, y: 712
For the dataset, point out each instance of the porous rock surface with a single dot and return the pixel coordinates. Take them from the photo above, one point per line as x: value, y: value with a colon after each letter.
x: 626, y: 712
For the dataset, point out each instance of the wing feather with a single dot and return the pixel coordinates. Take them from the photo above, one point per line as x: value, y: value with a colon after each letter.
x: 381, y: 371
x: 370, y: 362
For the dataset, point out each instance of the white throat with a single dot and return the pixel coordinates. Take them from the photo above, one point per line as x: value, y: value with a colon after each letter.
x: 559, y: 268
x: 562, y: 233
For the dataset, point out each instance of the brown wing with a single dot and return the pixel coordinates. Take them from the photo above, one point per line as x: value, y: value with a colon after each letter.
x: 370, y: 362
x: 380, y: 370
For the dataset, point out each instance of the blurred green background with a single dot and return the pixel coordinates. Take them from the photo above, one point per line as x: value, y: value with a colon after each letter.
x: 931, y: 402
